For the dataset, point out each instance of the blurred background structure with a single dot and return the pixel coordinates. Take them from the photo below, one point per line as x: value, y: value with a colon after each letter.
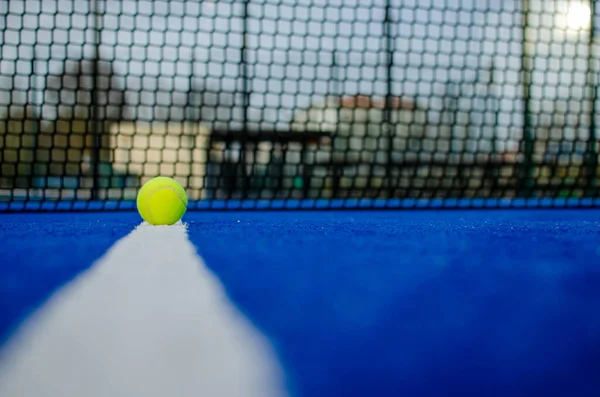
x: 298, y: 99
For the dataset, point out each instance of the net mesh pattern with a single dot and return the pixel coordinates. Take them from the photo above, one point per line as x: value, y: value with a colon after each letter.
x: 260, y: 102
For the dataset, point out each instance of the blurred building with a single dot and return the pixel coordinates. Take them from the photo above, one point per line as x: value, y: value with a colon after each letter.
x: 176, y: 149
x: 363, y: 127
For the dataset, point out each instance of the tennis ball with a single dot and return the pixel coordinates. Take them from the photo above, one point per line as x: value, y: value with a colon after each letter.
x: 162, y: 201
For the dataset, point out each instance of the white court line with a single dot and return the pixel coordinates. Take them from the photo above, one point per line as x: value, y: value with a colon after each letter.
x: 148, y: 319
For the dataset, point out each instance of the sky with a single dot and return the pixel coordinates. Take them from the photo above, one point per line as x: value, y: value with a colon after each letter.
x: 299, y: 51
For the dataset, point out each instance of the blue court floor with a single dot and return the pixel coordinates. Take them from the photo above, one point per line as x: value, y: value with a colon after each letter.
x: 371, y: 303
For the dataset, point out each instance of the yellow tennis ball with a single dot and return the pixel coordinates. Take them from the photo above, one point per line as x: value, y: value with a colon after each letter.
x: 162, y: 201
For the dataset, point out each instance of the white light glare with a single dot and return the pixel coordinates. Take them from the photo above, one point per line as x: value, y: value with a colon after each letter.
x: 578, y: 16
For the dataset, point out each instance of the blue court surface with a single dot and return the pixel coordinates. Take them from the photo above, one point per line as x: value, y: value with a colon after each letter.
x: 350, y: 303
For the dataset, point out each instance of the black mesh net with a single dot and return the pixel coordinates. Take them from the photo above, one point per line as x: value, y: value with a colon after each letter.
x: 299, y: 103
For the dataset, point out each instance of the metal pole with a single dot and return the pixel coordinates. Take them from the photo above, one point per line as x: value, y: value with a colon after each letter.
x: 96, y: 131
x: 527, y: 166
x: 3, y: 15
x: 192, y: 115
x: 338, y: 97
x: 592, y: 155
x: 246, y: 99
x: 337, y: 93
x: 37, y: 106
x: 246, y: 91
x: 491, y: 94
x: 388, y: 100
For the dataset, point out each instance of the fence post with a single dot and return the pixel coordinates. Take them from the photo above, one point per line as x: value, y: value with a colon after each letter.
x: 592, y: 155
x: 37, y: 112
x: 388, y: 97
x: 528, y: 136
x: 241, y: 166
x: 96, y: 139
